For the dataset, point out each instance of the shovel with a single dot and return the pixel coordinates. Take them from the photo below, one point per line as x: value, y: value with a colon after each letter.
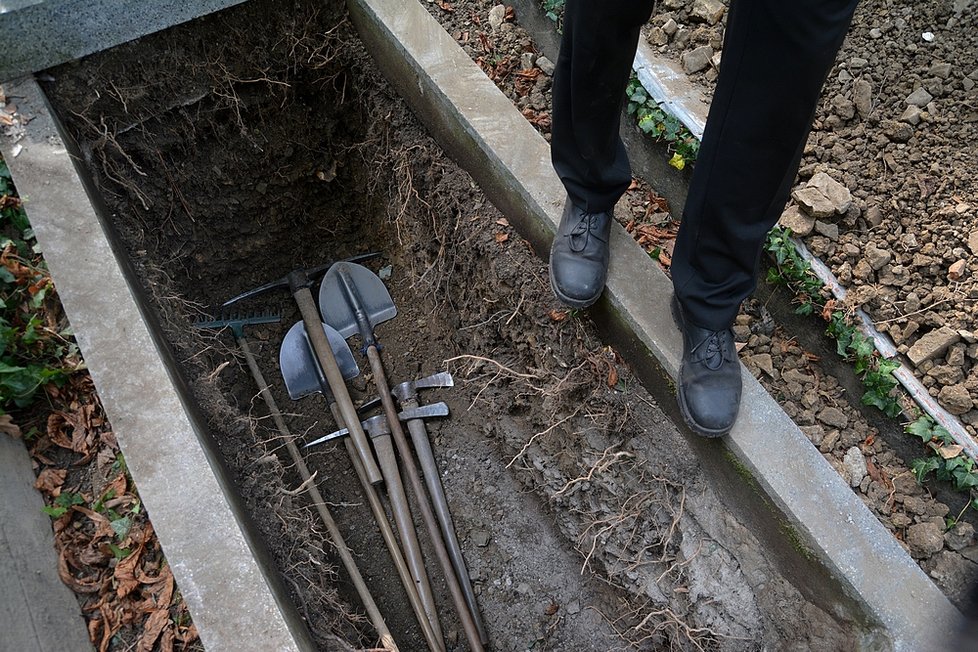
x: 354, y: 300
x: 237, y: 325
x: 303, y: 376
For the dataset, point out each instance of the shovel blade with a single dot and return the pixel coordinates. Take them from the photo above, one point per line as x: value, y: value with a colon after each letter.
x: 301, y: 370
x: 349, y: 289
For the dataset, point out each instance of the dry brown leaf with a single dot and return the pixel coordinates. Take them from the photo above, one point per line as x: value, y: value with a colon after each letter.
x: 8, y: 426
x: 872, y: 470
x: 502, y: 237
x: 502, y: 221
x: 152, y: 629
x: 446, y: 7
x: 949, y: 451
x: 612, y: 375
x: 558, y: 315
x: 75, y: 584
x: 828, y: 310
x: 125, y: 573
x: 49, y: 481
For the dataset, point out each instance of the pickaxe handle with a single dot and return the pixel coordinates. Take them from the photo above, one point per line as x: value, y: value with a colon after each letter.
x: 405, y: 526
x: 435, y: 642
x: 432, y: 479
x: 324, y: 354
x: 427, y: 513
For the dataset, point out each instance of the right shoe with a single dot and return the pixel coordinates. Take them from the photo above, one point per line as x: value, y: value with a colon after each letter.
x: 579, y: 256
x: 709, y: 377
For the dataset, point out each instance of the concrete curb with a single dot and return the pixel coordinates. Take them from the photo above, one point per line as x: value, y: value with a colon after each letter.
x: 51, y: 32
x: 233, y: 595
x: 38, y: 611
x: 479, y: 127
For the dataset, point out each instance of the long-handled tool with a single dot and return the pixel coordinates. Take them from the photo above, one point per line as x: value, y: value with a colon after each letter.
x: 407, y: 396
x: 298, y: 283
x: 237, y: 324
x: 353, y: 300
x: 303, y: 376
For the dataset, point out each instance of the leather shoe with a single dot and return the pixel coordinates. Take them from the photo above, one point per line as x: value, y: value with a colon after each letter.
x: 709, y: 377
x: 579, y: 256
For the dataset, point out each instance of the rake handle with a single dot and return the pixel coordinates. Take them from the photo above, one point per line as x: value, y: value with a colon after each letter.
x: 327, y: 361
x: 376, y: 618
x: 427, y: 514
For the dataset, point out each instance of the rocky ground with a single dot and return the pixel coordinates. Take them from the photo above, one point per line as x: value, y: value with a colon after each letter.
x: 897, y: 234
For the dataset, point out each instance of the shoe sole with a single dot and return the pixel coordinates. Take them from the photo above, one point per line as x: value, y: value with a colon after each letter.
x: 709, y: 433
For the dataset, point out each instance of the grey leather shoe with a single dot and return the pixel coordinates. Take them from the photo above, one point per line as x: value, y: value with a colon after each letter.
x: 709, y: 377
x: 579, y: 256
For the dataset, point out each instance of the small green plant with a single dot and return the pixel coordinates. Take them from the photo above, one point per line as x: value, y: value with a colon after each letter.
x: 946, y: 459
x: 795, y: 272
x: 32, y: 351
x: 555, y: 11
x: 65, y: 501
x: 662, y: 126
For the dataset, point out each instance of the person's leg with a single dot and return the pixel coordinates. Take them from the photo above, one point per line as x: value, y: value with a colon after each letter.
x: 776, y: 56
x: 596, y: 53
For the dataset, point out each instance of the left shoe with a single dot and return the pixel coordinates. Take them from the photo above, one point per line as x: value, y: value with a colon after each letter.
x: 579, y: 256
x: 709, y: 377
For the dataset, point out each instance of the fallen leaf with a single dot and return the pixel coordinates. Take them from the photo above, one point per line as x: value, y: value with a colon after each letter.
x: 502, y: 221
x: 125, y: 573
x: 551, y: 609
x: 8, y: 426
x: 446, y: 7
x: 75, y: 584
x: 872, y: 470
x: 633, y: 185
x: 558, y: 315
x: 612, y: 375
x: 502, y: 237
x: 152, y: 629
x: 49, y: 481
x: 950, y: 451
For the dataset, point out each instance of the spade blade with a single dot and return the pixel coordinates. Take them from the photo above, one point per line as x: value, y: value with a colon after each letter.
x: 352, y: 298
x: 300, y: 369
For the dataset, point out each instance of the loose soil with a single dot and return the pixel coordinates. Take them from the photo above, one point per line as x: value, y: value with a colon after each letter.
x: 798, y: 367
x: 234, y: 149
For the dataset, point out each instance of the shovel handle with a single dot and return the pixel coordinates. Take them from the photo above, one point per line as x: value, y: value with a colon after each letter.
x: 432, y: 480
x: 327, y: 361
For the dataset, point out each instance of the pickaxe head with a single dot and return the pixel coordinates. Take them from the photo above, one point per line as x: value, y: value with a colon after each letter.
x: 298, y: 278
x: 408, y: 390
x: 423, y: 412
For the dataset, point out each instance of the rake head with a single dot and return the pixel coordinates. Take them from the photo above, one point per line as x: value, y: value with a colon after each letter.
x: 237, y: 321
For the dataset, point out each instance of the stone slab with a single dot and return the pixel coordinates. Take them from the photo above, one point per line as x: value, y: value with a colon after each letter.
x: 479, y: 127
x: 37, y: 611
x: 41, y: 34
x: 233, y: 593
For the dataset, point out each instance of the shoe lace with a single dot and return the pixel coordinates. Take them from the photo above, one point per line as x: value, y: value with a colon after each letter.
x: 716, y: 344
x: 587, y: 227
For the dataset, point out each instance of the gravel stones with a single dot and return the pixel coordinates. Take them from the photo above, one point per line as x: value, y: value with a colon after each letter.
x: 698, y: 59
x: 833, y: 417
x: 925, y: 539
x: 707, y: 11
x: 932, y: 345
x: 862, y: 97
x: 956, y: 399
x: 919, y: 98
x: 855, y: 465
x: 823, y: 197
x: 800, y: 222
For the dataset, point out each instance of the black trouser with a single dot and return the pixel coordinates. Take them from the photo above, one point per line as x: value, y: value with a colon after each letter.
x: 776, y: 54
